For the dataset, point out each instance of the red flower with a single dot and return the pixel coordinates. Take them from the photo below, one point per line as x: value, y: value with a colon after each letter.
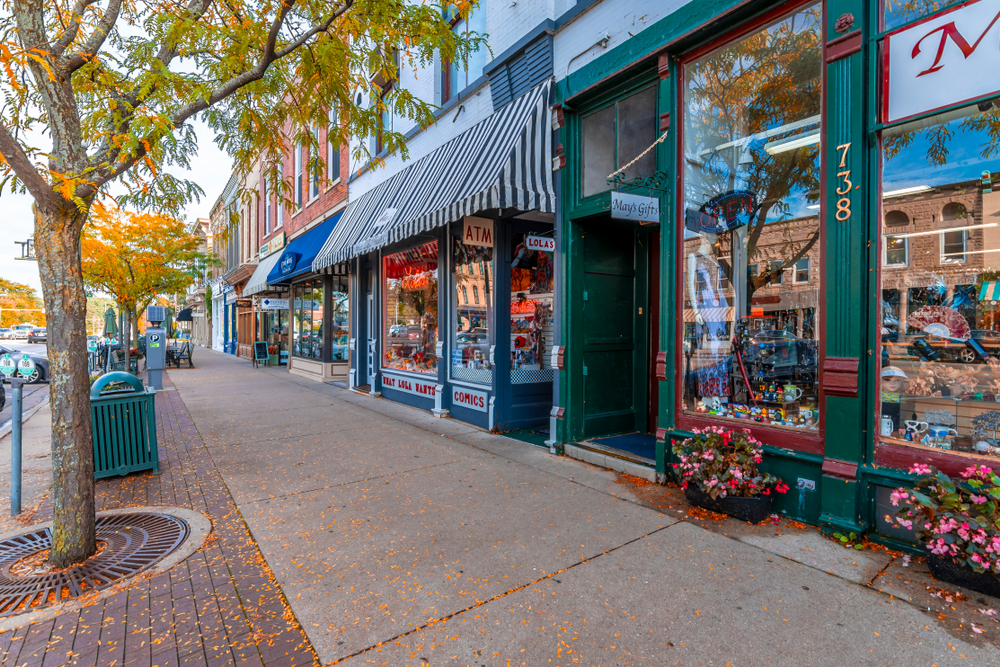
x: 766, y: 492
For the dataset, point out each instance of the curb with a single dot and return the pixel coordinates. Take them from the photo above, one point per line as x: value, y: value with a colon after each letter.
x: 5, y: 431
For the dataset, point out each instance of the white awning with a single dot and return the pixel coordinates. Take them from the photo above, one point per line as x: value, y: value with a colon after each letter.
x: 258, y: 281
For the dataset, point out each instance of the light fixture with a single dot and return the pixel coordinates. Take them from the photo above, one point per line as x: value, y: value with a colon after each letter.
x: 906, y: 191
x: 775, y: 147
x: 943, y: 230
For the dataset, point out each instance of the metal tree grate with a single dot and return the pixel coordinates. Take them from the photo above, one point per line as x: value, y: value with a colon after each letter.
x: 133, y: 542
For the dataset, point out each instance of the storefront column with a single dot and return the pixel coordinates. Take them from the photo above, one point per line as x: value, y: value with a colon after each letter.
x: 850, y: 290
x: 442, y: 399
x: 327, y: 355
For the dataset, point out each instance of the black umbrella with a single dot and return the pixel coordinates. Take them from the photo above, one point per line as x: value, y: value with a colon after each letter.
x: 185, y: 316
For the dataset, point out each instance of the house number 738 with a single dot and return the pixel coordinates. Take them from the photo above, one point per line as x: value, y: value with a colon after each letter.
x: 844, y: 188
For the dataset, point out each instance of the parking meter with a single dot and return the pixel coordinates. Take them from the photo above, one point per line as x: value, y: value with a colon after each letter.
x: 156, y: 346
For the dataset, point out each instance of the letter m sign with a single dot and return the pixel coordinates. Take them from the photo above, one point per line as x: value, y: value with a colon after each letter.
x: 942, y: 61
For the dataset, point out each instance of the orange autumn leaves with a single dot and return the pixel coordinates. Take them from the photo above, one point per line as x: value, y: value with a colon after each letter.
x: 136, y: 256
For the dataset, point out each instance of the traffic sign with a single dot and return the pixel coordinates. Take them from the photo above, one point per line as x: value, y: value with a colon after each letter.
x: 7, y: 365
x: 25, y: 366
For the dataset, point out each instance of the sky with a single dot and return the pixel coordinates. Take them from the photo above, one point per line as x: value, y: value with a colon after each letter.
x: 211, y: 170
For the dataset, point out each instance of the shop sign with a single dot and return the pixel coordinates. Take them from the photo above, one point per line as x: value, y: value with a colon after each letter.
x: 478, y: 231
x: 273, y: 304
x: 469, y: 398
x: 409, y: 385
x: 231, y: 297
x: 287, y: 263
x: 371, y: 243
x: 542, y: 243
x: 942, y: 60
x: 277, y: 242
x: 634, y: 207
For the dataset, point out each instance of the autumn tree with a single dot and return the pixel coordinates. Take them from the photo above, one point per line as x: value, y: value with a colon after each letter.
x: 100, y: 94
x: 136, y: 256
x: 19, y: 304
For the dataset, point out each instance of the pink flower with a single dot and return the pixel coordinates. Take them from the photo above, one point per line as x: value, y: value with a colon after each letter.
x: 979, y: 500
x: 920, y: 469
x: 898, y: 495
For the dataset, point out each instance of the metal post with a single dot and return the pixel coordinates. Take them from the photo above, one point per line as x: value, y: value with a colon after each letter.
x: 15, y: 448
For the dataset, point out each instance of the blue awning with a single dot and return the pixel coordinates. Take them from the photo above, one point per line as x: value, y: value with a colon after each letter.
x: 297, y: 257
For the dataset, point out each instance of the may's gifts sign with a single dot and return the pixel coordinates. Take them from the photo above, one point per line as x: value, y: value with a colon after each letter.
x: 949, y: 58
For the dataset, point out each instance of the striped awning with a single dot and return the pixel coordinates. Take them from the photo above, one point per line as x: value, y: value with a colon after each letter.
x: 990, y: 290
x: 503, y: 162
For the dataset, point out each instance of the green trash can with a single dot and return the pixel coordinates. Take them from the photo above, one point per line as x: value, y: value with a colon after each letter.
x: 123, y: 422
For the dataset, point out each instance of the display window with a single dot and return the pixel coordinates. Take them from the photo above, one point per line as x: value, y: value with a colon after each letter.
x: 472, y: 317
x: 274, y: 327
x: 940, y: 329
x: 750, y: 249
x: 410, y: 316
x: 531, y: 326
x: 339, y: 319
x: 307, y: 314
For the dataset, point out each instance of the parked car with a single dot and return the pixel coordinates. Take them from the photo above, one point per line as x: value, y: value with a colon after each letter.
x: 6, y: 333
x: 37, y: 335
x: 19, y: 333
x: 41, y: 373
x: 3, y: 396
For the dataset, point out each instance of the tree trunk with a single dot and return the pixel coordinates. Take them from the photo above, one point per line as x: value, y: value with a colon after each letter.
x: 57, y: 239
x: 135, y: 329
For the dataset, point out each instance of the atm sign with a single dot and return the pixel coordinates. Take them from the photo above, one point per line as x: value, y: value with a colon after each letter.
x: 468, y: 398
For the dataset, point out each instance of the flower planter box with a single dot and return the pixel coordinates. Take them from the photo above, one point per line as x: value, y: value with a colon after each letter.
x: 272, y: 360
x: 947, y: 570
x: 752, y: 510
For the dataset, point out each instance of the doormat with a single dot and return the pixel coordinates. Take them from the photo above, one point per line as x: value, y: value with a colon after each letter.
x: 643, y: 444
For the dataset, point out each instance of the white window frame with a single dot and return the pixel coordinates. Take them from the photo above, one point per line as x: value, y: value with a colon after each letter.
x: 313, y: 176
x: 885, y: 251
x: 332, y: 153
x: 267, y: 206
x: 965, y: 248
x: 298, y: 176
x: 796, y: 269
x: 279, y: 201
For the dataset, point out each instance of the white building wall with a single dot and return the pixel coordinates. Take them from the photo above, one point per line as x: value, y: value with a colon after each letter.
x: 507, y: 21
x: 603, y: 26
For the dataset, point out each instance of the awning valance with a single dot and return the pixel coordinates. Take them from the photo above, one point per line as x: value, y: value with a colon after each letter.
x: 258, y: 281
x: 297, y: 257
x: 503, y: 162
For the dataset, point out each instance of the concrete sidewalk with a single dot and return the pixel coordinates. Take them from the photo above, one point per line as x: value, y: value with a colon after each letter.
x: 403, y: 539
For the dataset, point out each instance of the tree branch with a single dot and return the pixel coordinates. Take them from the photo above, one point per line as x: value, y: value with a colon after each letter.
x: 18, y: 160
x: 73, y: 29
x: 228, y: 88
x: 76, y: 59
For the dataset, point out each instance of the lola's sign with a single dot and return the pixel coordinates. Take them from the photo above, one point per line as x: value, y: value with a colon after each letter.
x: 542, y: 243
x: 409, y: 385
x: 946, y: 59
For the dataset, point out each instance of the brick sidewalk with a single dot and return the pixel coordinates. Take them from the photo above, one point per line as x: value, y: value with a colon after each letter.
x: 221, y: 606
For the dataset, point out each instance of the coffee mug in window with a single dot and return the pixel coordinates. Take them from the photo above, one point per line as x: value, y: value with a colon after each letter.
x: 939, y: 433
x: 886, y: 426
x: 915, y: 427
x: 791, y: 393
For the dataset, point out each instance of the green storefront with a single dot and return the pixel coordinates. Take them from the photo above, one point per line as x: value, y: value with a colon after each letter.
x: 819, y: 270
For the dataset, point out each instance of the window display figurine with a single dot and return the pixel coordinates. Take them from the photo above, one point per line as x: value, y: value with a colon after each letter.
x: 893, y: 384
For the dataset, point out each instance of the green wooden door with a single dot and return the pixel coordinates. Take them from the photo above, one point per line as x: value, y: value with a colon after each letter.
x: 614, y: 330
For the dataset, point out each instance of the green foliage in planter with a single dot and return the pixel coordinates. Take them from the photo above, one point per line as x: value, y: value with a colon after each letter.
x: 956, y: 518
x: 724, y: 463
x: 850, y: 541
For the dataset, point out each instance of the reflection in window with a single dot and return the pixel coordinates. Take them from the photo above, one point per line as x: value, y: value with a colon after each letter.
x: 307, y: 314
x: 531, y: 329
x: 410, y: 299
x: 752, y: 112
x: 472, y: 336
x: 939, y: 381
x: 339, y: 319
x: 900, y: 12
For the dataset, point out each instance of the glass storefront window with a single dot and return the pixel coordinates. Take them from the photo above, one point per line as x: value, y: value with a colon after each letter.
x: 940, y: 329
x: 410, y: 300
x: 531, y: 332
x: 901, y: 12
x: 307, y: 311
x: 274, y: 327
x: 751, y: 257
x: 339, y: 319
x: 472, y: 335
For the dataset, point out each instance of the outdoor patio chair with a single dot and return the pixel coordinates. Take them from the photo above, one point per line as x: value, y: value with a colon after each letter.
x: 185, y: 353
